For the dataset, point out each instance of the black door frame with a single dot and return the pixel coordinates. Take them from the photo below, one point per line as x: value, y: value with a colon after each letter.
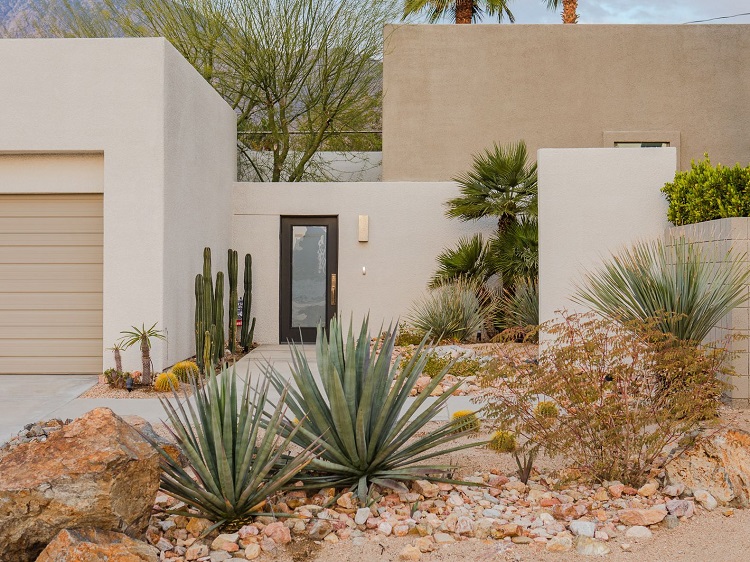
x: 306, y: 335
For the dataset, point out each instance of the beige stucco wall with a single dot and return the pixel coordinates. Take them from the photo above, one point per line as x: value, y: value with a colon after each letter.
x: 593, y: 202
x: 714, y: 239
x: 453, y: 90
x: 168, y: 142
x: 408, y: 229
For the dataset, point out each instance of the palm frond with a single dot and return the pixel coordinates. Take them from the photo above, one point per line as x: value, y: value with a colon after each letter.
x: 514, y: 254
x: 466, y: 262
x: 501, y: 183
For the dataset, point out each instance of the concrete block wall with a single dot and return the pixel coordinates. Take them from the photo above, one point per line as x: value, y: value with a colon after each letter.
x: 722, y: 240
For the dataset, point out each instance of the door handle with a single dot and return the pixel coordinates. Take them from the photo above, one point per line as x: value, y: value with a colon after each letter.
x: 333, y: 289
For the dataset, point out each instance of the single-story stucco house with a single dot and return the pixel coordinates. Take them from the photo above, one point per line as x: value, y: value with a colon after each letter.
x: 118, y: 166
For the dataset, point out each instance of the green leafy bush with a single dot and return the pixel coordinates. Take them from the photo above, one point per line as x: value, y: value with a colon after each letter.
x: 232, y: 465
x: 609, y: 397
x: 707, y: 192
x: 358, y: 413
x: 461, y: 366
x: 677, y: 284
x: 453, y: 312
x: 407, y: 335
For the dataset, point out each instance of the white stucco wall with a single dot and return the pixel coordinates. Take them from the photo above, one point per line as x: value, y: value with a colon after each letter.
x: 408, y: 229
x: 593, y: 201
x: 166, y: 137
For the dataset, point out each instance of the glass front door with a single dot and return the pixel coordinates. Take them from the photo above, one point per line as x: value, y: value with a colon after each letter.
x: 308, y: 288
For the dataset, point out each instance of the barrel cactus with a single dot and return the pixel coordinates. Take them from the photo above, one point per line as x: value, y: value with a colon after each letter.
x: 503, y: 442
x: 466, y: 421
x: 185, y: 369
x: 165, y: 382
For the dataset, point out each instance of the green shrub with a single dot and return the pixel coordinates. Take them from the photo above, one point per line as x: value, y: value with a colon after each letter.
x: 453, y: 312
x: 675, y: 284
x: 232, y: 469
x: 518, y: 311
x: 359, y: 417
x: 407, y: 335
x: 607, y: 396
x: 462, y: 366
x: 707, y: 192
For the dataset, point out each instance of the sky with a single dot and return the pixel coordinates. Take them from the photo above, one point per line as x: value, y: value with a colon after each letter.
x: 635, y: 11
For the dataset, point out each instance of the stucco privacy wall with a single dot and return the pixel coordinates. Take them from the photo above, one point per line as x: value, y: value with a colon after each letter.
x: 720, y: 241
x: 593, y: 202
x: 408, y: 229
x: 452, y: 90
x: 166, y: 137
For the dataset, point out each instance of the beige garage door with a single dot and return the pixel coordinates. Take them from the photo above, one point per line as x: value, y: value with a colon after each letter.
x: 51, y: 284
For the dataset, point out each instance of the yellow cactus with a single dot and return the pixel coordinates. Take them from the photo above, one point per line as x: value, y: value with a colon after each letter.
x: 184, y: 369
x: 466, y: 420
x: 165, y: 382
x: 503, y: 442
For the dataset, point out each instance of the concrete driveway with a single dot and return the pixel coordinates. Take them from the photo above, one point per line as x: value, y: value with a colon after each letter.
x: 29, y: 398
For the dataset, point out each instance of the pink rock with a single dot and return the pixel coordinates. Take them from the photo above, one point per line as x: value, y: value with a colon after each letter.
x: 278, y: 532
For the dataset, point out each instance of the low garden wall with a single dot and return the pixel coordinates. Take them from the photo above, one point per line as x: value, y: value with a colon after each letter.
x: 715, y: 238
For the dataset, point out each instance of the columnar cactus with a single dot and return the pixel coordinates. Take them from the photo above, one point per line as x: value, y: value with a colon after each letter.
x: 232, y: 324
x: 218, y: 326
x: 246, y: 338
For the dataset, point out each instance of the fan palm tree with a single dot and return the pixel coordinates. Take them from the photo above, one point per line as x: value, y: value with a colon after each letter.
x: 469, y: 11
x: 501, y: 183
x: 570, y: 9
x: 142, y: 336
x: 460, y: 11
x: 468, y: 261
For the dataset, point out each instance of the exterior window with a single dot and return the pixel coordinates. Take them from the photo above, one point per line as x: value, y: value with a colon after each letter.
x: 641, y: 144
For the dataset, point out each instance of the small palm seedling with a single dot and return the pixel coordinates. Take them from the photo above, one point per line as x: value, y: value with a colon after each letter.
x: 165, y: 382
x: 466, y: 421
x: 237, y: 465
x: 116, y: 349
x: 142, y: 336
x: 361, y: 414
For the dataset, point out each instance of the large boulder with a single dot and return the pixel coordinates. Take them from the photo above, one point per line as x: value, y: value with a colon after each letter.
x: 95, y: 472
x: 95, y: 545
x: 719, y: 464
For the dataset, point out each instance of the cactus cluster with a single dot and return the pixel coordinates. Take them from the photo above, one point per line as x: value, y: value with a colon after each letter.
x: 248, y: 326
x: 165, y: 382
x: 465, y: 420
x: 185, y: 369
x: 209, y: 315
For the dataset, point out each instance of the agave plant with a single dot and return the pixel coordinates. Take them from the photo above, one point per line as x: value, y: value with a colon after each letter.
x: 359, y: 411
x: 455, y: 312
x: 677, y: 284
x: 232, y: 465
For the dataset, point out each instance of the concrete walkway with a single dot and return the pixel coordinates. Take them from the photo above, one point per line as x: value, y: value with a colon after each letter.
x: 29, y: 398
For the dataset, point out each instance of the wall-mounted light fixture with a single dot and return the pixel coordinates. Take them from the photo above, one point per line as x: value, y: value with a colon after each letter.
x: 364, y: 228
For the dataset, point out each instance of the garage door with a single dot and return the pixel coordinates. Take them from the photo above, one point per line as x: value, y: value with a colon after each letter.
x: 51, y: 283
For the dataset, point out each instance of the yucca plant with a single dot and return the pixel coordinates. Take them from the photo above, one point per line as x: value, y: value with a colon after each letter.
x: 675, y: 283
x: 358, y: 411
x: 233, y: 465
x: 519, y: 310
x: 457, y: 311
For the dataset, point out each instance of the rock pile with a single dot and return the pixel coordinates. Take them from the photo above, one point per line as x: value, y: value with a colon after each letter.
x: 94, y: 472
x: 575, y: 517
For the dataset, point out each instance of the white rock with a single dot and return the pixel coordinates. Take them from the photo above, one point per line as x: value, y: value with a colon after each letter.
x: 705, y: 499
x: 581, y: 527
x: 363, y: 513
x: 638, y: 532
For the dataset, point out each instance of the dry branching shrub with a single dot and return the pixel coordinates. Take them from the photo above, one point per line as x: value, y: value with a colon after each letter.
x: 608, y: 397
